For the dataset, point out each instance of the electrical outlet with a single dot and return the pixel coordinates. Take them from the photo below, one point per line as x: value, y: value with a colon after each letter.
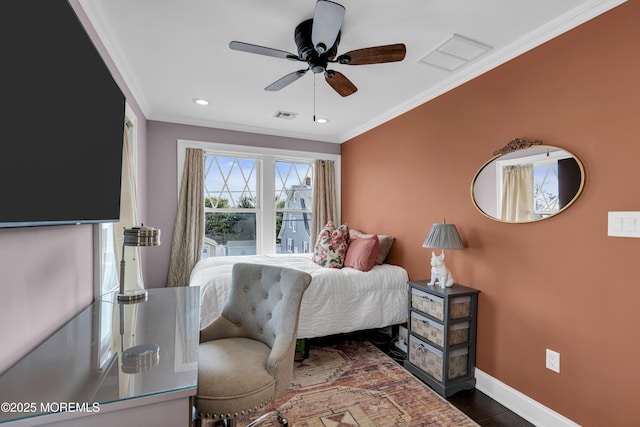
x: 553, y: 360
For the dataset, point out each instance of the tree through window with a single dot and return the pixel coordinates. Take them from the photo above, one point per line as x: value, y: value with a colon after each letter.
x: 249, y: 198
x: 231, y: 205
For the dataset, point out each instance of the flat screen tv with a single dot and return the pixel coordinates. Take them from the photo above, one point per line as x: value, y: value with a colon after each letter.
x: 62, y: 120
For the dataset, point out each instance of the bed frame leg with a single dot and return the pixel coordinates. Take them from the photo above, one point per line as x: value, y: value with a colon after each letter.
x: 395, y: 332
x: 302, y: 349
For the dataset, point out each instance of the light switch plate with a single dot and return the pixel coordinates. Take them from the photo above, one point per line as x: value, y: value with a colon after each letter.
x: 624, y: 224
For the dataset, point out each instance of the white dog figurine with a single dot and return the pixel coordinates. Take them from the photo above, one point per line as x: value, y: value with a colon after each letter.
x: 439, y: 272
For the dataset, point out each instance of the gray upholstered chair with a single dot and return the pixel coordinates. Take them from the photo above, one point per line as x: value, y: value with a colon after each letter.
x: 246, y: 354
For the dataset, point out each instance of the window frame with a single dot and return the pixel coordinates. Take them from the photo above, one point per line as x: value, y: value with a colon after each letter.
x: 266, y: 217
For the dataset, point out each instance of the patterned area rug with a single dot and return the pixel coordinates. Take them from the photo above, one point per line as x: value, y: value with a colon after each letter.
x: 355, y: 384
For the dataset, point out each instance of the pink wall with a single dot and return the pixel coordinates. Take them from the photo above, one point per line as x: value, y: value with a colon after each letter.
x: 162, y: 180
x: 46, y: 273
x: 46, y: 278
x: 560, y: 283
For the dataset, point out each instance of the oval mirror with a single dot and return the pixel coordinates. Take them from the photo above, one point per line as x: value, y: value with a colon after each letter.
x: 527, y: 181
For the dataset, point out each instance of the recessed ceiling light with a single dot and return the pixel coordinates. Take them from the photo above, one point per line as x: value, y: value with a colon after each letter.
x: 322, y: 120
x: 201, y: 101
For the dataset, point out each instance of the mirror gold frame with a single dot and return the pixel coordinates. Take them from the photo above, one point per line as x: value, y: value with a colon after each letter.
x: 550, y: 165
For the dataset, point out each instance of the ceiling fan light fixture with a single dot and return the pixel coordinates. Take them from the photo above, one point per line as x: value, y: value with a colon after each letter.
x: 327, y: 18
x: 317, y: 40
x: 322, y: 120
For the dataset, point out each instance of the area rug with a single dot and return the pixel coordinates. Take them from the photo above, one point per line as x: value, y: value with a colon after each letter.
x: 355, y: 384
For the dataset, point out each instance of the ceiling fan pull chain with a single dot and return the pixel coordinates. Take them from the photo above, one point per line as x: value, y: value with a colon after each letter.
x: 314, y: 97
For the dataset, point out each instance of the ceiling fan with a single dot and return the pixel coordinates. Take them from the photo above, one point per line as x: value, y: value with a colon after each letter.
x: 317, y: 40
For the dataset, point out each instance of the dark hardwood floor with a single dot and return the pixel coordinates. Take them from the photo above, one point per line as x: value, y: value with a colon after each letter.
x: 477, y: 405
x: 486, y: 411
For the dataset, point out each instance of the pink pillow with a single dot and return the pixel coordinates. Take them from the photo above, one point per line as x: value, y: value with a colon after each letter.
x: 386, y: 242
x: 331, y: 247
x: 362, y: 253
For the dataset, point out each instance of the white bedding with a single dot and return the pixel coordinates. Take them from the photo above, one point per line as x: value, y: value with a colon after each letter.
x: 336, y: 301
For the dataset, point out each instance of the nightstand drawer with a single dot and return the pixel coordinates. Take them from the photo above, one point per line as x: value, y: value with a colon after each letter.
x: 427, y: 329
x: 430, y: 359
x: 427, y: 303
x: 460, y: 307
x: 434, y: 331
x: 459, y: 333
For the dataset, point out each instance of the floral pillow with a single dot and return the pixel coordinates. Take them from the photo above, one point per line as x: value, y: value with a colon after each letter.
x: 331, y: 246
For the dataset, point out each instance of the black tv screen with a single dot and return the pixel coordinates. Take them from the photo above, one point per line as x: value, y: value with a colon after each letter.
x: 62, y: 121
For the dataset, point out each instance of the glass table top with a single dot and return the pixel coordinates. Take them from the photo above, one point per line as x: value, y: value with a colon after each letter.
x: 110, y: 352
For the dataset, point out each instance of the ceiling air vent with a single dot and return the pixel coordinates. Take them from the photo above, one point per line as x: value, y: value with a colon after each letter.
x: 455, y: 52
x: 285, y: 115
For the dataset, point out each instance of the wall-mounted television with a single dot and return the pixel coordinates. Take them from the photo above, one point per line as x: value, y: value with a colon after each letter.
x: 62, y: 120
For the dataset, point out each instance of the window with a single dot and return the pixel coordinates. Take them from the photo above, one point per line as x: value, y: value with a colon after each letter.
x: 545, y: 188
x: 257, y: 200
x: 545, y: 180
x: 294, y: 200
x: 106, y: 266
x: 231, y: 205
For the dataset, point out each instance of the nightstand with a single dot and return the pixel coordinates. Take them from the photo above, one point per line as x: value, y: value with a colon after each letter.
x: 442, y: 336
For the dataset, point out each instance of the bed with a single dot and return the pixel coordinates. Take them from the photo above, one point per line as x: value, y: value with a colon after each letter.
x: 337, y: 300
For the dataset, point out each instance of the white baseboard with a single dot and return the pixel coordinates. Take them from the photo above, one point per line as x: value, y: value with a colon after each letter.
x: 519, y: 403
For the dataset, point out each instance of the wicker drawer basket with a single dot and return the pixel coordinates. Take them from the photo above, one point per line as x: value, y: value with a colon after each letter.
x: 460, y: 307
x: 427, y: 303
x: 428, y: 329
x: 459, y: 333
x: 429, y: 359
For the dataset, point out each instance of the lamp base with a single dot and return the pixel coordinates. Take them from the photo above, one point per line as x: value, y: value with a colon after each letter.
x: 439, y: 272
x: 140, y: 358
x: 133, y: 297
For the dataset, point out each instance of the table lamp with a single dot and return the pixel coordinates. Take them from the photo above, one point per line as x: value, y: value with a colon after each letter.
x: 136, y: 236
x: 442, y: 236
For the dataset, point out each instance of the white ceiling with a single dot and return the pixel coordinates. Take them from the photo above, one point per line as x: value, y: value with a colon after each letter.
x: 172, y: 51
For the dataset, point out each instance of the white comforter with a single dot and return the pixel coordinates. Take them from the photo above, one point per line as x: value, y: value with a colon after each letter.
x: 336, y: 301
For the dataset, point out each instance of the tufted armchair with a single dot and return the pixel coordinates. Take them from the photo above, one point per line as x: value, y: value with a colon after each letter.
x: 246, y: 355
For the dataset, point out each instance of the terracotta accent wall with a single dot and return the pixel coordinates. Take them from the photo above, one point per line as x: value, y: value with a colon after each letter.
x: 560, y: 283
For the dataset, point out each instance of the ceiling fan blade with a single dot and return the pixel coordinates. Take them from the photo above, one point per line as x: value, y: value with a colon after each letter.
x: 261, y: 50
x: 285, y: 81
x: 327, y: 20
x: 374, y: 55
x: 340, y: 83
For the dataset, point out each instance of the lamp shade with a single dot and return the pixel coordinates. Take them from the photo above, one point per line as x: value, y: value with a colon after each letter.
x: 443, y: 236
x: 141, y: 236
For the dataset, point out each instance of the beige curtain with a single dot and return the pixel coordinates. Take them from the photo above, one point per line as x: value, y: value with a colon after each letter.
x: 128, y: 217
x: 188, y: 233
x: 324, y: 196
x: 517, y: 193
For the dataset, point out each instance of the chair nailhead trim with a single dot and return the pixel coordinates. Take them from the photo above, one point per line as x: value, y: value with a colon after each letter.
x: 236, y: 414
